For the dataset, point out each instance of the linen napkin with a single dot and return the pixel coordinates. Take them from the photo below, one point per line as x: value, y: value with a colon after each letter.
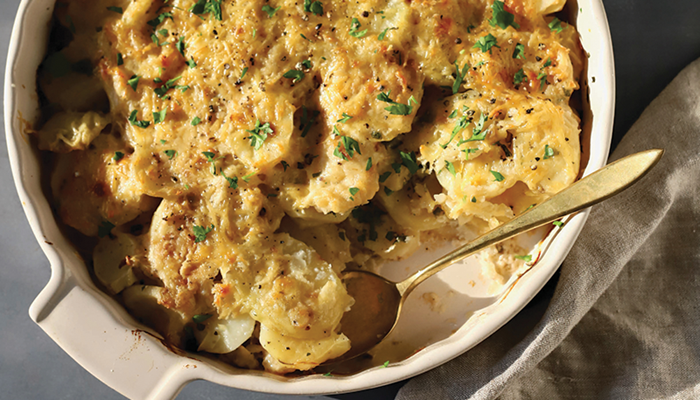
x: 624, y: 320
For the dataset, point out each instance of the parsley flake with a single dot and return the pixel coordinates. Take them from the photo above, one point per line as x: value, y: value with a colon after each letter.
x: 409, y: 160
x: 369, y: 164
x: 159, y: 19
x: 386, y: 364
x: 232, y: 182
x: 548, y: 152
x: 397, y: 108
x: 478, y: 133
x: 501, y: 17
x: 462, y: 123
x: 134, y: 82
x: 294, y: 74
x: 316, y: 7
x: 383, y: 177
x: 159, y: 116
x: 519, y: 51
x: 120, y: 59
x: 486, y: 43
x: 211, y: 7
x: 558, y: 223
x: 270, y: 11
x: 384, y: 32
x: 180, y: 45
x: 555, y: 25
x: 519, y: 77
x: 199, y: 318
x: 353, y: 191
x: 170, y: 154
x: 200, y: 232
x: 497, y: 175
x: 450, y: 168
x: 118, y: 155
x: 307, y: 119
x: 459, y: 77
x: 196, y: 121
x: 345, y: 118
x: 117, y: 10
x: 259, y: 134
x: 346, y: 148
x: 388, y: 191
x: 526, y: 258
x: 136, y: 122
x: 354, y: 29
x: 243, y: 72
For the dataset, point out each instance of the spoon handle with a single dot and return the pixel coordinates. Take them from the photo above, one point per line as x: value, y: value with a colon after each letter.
x: 596, y: 187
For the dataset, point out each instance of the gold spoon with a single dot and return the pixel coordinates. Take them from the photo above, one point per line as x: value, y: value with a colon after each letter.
x: 378, y: 302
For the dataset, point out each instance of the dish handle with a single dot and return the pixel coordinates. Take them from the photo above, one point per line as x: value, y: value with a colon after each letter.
x: 131, y: 361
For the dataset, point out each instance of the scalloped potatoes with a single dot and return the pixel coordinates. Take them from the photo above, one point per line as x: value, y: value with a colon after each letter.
x: 240, y: 155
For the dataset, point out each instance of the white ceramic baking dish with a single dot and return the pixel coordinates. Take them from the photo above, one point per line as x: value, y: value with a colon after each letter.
x: 106, y: 341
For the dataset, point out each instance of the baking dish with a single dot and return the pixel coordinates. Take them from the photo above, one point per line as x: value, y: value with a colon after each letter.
x: 105, y: 340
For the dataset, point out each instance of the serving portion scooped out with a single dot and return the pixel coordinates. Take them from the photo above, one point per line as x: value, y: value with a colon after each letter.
x: 221, y: 163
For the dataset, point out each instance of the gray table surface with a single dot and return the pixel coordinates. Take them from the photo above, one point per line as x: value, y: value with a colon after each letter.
x: 653, y: 41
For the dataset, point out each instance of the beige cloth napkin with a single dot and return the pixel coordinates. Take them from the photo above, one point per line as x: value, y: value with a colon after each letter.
x: 624, y: 321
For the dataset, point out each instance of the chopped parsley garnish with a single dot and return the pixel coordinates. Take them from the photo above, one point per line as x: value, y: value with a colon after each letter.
x: 195, y: 121
x: 243, y: 72
x: 459, y: 76
x: 306, y: 64
x: 542, y: 77
x: 468, y: 151
x: 548, y: 152
x: 388, y: 191
x: 191, y: 63
x: 354, y: 29
x: 285, y: 165
x: 353, y: 191
x: 212, y: 7
x: 210, y: 159
x: 118, y: 155
x: 383, y: 177
x: 397, y: 108
x: 163, y: 141
x: 409, y: 160
x: 159, y: 116
x: 246, y: 178
x: 294, y: 74
x: 555, y: 25
x: 133, y: 82
x: 497, y: 175
x: 346, y: 148
x: 526, y: 258
x: 473, y: 199
x: 452, y: 114
x: 486, y: 43
x: 547, y: 63
x: 478, y: 133
x: 345, y: 118
x: 462, y: 123
x: 519, y: 51
x: 180, y: 45
x: 170, y: 154
x: 270, y: 11
x: 384, y: 32
x: 163, y: 89
x: 386, y: 364
x: 501, y: 17
x: 450, y: 168
x: 117, y: 10
x: 316, y: 7
x: 558, y: 223
x: 519, y: 77
x: 159, y: 19
x: 120, y: 59
x: 232, y: 182
x: 307, y: 119
x: 259, y: 134
x: 302, y: 35
x: 105, y: 228
x: 369, y: 164
x: 200, y: 232
x: 136, y: 122
x: 199, y: 318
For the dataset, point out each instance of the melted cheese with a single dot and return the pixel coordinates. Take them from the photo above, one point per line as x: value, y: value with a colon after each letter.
x: 265, y: 151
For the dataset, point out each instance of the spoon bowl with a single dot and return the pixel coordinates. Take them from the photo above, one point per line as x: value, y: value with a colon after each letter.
x: 378, y: 301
